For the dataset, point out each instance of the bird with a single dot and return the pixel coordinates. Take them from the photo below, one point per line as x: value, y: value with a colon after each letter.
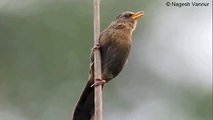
x: 114, y: 45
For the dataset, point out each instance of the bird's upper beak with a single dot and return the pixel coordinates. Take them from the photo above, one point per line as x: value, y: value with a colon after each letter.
x: 137, y: 15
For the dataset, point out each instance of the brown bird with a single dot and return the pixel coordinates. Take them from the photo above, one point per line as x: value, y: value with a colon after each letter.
x: 115, y: 44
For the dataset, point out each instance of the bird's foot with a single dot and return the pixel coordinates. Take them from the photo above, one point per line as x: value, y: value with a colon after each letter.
x: 98, y: 82
x: 97, y: 46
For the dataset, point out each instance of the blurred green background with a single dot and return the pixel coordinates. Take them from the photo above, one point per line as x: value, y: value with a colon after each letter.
x: 44, y: 58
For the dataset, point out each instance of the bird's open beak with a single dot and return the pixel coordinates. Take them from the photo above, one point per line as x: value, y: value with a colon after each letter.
x: 137, y: 15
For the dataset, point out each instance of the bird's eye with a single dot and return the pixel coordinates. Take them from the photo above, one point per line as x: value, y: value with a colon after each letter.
x: 127, y: 15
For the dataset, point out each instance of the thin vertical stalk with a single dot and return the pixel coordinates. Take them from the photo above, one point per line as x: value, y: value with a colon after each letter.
x: 97, y: 62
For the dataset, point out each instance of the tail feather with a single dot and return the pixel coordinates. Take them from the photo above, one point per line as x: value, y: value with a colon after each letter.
x: 84, y: 109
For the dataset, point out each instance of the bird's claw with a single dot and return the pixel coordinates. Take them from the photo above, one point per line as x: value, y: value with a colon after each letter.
x: 98, y: 82
x: 97, y: 46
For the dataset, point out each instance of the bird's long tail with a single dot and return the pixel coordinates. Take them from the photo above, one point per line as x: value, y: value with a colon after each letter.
x: 84, y: 109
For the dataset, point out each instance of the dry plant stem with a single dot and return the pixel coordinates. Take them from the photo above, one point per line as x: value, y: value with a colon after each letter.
x: 97, y: 62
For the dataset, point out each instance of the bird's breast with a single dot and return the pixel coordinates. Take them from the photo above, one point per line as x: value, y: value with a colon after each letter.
x: 115, y: 55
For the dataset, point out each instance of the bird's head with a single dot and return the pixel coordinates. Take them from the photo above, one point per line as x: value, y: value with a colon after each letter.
x: 127, y: 20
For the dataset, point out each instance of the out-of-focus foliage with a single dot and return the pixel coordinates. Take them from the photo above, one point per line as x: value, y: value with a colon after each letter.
x: 44, y: 58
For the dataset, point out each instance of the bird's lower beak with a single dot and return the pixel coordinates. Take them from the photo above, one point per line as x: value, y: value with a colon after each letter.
x: 137, y: 15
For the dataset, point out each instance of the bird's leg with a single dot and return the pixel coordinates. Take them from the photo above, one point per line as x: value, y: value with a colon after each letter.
x: 98, y: 82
